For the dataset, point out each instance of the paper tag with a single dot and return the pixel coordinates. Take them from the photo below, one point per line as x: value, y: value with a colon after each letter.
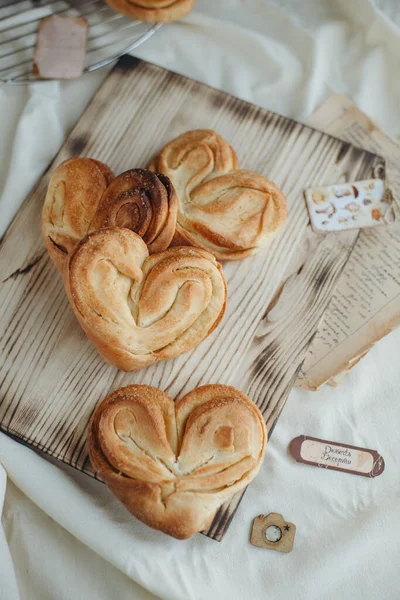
x: 349, y: 205
x: 336, y: 456
x: 61, y: 47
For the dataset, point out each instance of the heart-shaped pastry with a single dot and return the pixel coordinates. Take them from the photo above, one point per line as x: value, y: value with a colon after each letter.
x: 153, y: 11
x: 137, y: 308
x: 228, y: 211
x: 84, y: 196
x: 174, y: 464
x: 74, y: 193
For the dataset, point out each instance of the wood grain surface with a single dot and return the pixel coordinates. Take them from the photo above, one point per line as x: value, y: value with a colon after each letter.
x: 51, y: 377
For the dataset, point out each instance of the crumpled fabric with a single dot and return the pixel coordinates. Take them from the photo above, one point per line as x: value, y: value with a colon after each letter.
x: 65, y: 536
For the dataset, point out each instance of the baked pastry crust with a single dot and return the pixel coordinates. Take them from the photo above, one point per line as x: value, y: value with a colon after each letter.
x: 142, y: 201
x: 84, y: 196
x: 74, y: 193
x: 228, y: 211
x: 138, y: 309
x: 153, y: 11
x: 173, y: 465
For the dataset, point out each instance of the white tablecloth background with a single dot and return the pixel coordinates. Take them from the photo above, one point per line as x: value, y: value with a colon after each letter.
x: 64, y: 536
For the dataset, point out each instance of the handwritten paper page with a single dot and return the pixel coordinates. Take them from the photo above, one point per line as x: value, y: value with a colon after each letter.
x: 366, y: 303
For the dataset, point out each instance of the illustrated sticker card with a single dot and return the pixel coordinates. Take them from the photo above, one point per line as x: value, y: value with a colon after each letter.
x: 349, y: 205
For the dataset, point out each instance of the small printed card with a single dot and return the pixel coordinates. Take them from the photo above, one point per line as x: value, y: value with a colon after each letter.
x: 337, y: 456
x: 349, y: 205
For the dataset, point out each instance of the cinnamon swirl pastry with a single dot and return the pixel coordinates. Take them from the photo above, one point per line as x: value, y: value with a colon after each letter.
x: 228, y: 211
x: 142, y: 201
x: 72, y: 198
x: 137, y: 308
x: 173, y: 465
x: 153, y: 11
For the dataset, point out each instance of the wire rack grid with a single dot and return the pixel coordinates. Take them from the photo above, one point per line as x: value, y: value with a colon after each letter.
x: 110, y: 34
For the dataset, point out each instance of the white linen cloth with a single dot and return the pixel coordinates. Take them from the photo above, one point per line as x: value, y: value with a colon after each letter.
x: 64, y: 535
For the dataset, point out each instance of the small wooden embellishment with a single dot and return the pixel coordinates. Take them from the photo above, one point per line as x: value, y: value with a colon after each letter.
x: 273, y: 532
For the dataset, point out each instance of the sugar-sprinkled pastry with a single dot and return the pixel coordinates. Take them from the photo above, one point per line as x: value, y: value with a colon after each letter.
x: 228, y: 211
x: 138, y: 309
x: 174, y: 464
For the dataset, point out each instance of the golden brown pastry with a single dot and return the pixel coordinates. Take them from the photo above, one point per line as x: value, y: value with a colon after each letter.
x: 173, y: 465
x: 72, y: 198
x: 228, y: 211
x: 84, y: 196
x: 153, y: 11
x: 138, y: 309
x: 142, y: 201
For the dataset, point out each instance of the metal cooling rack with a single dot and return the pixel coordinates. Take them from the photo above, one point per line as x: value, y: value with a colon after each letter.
x: 110, y: 34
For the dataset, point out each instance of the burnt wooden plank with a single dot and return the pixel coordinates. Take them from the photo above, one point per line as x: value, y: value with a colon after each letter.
x: 51, y: 377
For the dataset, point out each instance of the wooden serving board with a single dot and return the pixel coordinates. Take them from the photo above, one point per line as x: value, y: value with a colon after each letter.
x: 51, y: 377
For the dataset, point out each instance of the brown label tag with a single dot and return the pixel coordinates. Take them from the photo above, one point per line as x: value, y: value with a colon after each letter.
x: 336, y: 456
